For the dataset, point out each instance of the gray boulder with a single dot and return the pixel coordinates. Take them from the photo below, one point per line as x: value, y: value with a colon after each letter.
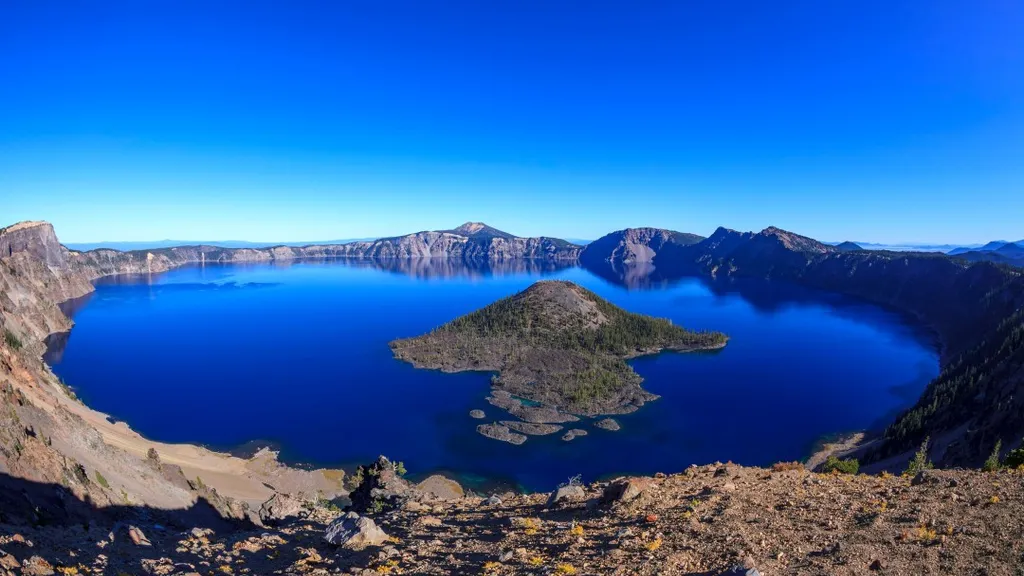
x: 570, y: 493
x: 280, y: 508
x: 354, y: 532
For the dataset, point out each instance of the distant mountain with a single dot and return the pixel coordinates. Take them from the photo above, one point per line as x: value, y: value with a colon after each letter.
x: 990, y: 247
x: 634, y: 245
x: 479, y: 230
x: 848, y: 247
x: 906, y: 247
x: 1011, y: 253
x: 1012, y: 250
x: 471, y: 241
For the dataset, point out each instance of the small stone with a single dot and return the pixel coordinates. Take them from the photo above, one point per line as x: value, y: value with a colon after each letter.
x: 492, y: 501
x: 506, y: 556
x: 36, y: 566
x: 7, y: 561
x: 925, y: 477
x: 430, y: 521
x: 623, y: 532
x: 138, y: 537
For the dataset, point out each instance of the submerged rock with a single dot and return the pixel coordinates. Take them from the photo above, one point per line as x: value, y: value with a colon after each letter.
x: 499, y: 432
x: 354, y: 532
x: 573, y: 434
x: 531, y: 428
x: 608, y: 424
x: 478, y: 414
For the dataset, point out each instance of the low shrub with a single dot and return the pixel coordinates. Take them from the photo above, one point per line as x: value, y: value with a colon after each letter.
x: 12, y: 340
x: 786, y: 466
x: 1015, y: 459
x: 848, y: 466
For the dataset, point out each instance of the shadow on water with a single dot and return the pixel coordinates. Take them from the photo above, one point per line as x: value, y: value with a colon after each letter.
x: 766, y: 296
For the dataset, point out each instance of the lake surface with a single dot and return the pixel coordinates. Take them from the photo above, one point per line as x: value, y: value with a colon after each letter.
x: 296, y: 356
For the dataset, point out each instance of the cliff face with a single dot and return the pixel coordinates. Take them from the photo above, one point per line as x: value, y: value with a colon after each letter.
x: 34, y: 238
x: 635, y: 245
x: 474, y: 246
x: 48, y: 438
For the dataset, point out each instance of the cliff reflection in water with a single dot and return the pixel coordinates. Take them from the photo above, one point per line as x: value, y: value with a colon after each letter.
x: 427, y: 268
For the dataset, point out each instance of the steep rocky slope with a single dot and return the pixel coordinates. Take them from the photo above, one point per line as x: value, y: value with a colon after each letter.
x: 634, y: 245
x: 47, y: 436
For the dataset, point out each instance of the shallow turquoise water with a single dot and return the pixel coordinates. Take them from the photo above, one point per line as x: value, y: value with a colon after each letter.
x: 296, y: 356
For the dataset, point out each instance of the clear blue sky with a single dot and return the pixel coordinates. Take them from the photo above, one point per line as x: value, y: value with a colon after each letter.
x: 869, y: 120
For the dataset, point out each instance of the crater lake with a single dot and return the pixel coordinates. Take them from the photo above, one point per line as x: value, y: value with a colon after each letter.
x: 295, y: 356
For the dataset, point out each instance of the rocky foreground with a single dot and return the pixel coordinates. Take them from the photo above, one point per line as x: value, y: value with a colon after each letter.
x: 718, y: 519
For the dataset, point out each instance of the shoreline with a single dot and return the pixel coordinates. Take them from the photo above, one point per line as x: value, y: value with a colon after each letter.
x: 251, y: 480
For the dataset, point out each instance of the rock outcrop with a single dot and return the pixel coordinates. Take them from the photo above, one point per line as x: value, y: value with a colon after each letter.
x: 634, y: 245
x: 36, y: 239
x: 354, y: 532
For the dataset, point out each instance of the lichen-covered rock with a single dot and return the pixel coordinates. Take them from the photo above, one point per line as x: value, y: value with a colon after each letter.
x: 354, y: 532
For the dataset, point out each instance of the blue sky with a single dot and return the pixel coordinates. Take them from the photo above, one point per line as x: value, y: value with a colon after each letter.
x: 282, y: 121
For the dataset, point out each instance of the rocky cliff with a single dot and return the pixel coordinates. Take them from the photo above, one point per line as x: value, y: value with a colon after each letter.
x: 472, y: 242
x: 635, y: 245
x: 47, y: 436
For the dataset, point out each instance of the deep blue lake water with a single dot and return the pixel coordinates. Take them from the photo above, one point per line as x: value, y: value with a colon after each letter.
x: 297, y: 356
